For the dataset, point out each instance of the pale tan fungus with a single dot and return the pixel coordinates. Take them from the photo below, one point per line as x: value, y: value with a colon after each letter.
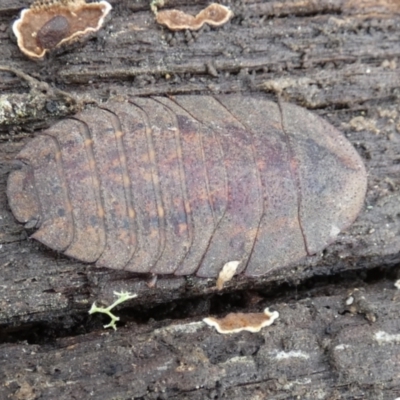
x: 237, y: 322
x: 48, y: 24
x: 215, y: 15
x: 227, y: 273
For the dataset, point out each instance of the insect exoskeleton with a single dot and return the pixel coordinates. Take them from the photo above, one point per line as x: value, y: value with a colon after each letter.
x: 185, y: 184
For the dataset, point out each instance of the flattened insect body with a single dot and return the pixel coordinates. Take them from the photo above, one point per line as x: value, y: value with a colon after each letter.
x: 182, y: 185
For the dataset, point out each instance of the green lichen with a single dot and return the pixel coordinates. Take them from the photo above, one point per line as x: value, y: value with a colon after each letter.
x: 122, y: 297
x: 154, y: 4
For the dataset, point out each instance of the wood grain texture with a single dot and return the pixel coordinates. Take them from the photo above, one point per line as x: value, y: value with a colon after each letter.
x: 339, y: 59
x: 315, y: 349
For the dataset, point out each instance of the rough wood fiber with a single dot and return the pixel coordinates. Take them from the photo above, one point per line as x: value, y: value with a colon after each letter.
x: 314, y: 350
x: 338, y: 58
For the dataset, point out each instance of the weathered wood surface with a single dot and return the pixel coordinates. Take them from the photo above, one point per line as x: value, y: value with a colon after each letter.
x: 340, y: 59
x: 315, y: 351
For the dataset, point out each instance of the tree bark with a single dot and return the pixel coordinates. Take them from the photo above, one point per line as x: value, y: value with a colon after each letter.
x: 339, y: 59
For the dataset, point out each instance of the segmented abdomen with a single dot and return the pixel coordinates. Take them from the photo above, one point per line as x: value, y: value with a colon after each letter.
x: 184, y: 185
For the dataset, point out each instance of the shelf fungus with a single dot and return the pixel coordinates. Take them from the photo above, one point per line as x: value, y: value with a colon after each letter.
x: 215, y: 15
x: 237, y: 322
x: 51, y: 24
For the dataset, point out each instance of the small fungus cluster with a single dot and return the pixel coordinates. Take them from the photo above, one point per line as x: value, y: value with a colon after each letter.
x: 237, y: 322
x: 215, y: 15
x: 50, y: 24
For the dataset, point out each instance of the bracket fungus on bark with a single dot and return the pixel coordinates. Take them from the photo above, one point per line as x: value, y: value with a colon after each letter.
x: 50, y: 24
x: 237, y: 322
x: 215, y: 15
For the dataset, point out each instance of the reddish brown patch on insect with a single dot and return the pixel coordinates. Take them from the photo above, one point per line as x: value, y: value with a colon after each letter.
x: 183, y: 185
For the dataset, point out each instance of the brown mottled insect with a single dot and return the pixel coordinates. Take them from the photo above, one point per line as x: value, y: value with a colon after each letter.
x: 182, y: 185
